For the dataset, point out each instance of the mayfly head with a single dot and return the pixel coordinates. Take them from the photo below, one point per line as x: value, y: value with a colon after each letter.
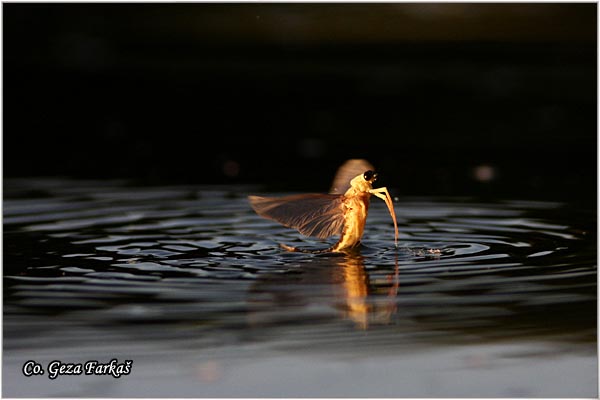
x: 364, y: 181
x: 370, y: 176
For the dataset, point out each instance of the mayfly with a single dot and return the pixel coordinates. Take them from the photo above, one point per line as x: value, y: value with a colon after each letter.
x: 341, y: 212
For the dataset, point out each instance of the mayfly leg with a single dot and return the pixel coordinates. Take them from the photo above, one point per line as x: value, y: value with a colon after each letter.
x: 384, y: 195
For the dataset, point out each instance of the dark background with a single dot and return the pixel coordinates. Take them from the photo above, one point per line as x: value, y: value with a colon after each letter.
x: 281, y: 94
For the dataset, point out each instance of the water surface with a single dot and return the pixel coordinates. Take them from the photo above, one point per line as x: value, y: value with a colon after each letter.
x: 481, y: 299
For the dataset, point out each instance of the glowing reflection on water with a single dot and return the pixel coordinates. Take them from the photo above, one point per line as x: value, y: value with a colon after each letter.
x: 191, y: 276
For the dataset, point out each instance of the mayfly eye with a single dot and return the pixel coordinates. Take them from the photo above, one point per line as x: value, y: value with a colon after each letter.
x: 368, y: 175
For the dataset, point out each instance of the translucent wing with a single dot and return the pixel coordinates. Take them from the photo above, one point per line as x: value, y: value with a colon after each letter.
x: 319, y: 215
x: 347, y: 172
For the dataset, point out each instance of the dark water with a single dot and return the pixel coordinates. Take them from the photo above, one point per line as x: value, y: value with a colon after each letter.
x: 483, y: 299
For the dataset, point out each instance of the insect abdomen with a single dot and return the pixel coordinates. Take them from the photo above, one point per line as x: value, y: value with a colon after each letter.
x: 355, y: 217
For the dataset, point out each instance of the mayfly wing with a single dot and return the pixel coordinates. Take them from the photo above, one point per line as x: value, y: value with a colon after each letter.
x: 320, y: 215
x: 346, y: 172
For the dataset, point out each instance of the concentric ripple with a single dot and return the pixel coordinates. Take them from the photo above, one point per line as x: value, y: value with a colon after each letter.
x: 198, y: 263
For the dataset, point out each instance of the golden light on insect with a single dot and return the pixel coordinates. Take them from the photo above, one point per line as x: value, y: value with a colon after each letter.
x: 342, y: 212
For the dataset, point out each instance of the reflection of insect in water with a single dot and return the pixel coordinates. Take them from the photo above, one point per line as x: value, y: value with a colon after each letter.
x: 341, y: 212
